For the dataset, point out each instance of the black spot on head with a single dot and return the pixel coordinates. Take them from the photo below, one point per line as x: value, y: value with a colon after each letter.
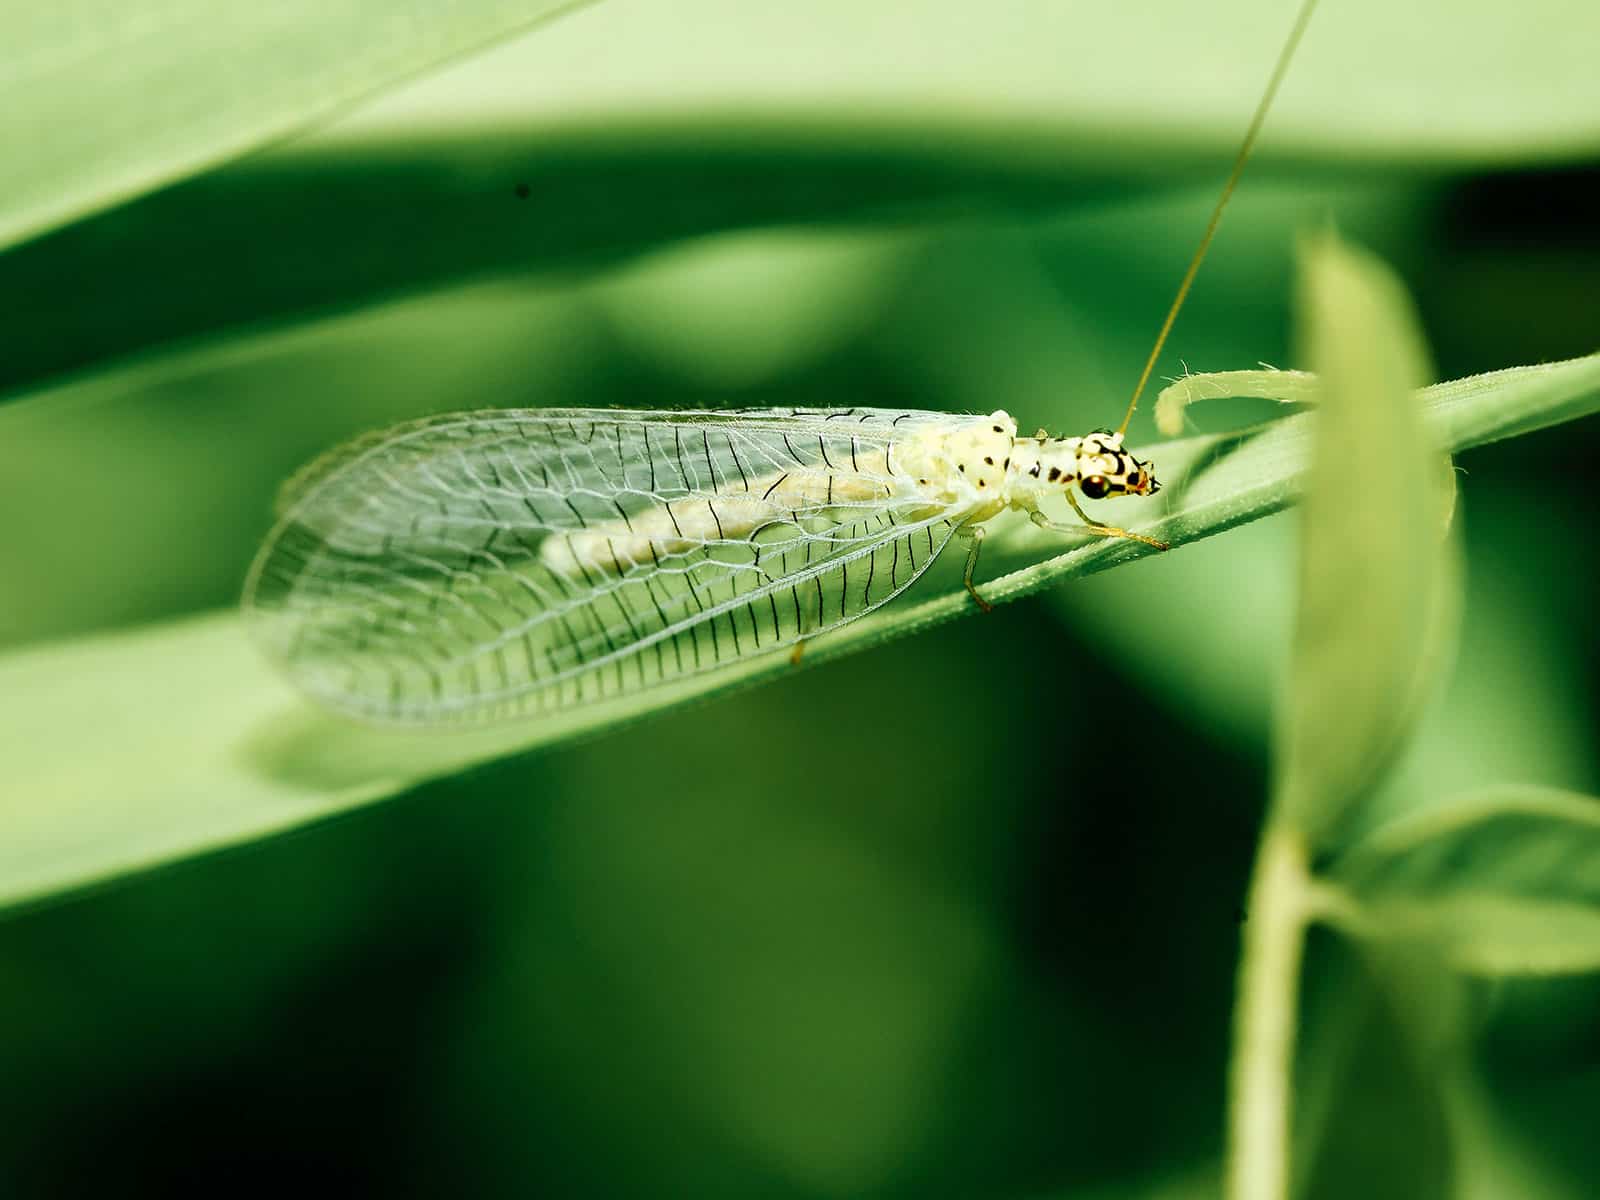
x: 997, y: 429
x: 1035, y: 471
x: 1007, y: 464
x: 981, y: 482
x: 962, y: 467
x: 1055, y: 474
x: 988, y: 461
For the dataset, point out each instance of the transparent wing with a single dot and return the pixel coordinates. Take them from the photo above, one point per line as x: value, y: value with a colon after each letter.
x: 487, y: 565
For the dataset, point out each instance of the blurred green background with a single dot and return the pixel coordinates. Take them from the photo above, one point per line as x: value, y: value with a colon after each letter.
x: 873, y: 930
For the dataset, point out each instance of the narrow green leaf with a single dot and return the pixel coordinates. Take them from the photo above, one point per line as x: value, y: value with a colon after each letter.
x: 105, y: 101
x: 281, y: 236
x: 197, y: 745
x: 1429, y: 83
x: 1503, y: 883
x: 1373, y: 587
x: 628, y: 133
x: 1512, y: 838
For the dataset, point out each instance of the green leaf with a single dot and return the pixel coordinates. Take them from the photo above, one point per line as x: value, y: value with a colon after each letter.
x: 1432, y: 83
x: 1504, y: 883
x: 1373, y: 586
x: 107, y: 101
x: 1370, y: 1110
x: 281, y: 236
x: 629, y: 133
x: 195, y: 744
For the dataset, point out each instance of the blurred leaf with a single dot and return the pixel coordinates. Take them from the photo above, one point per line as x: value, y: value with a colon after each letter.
x: 1505, y: 883
x: 274, y: 238
x: 1490, y: 935
x: 196, y: 744
x: 1370, y: 1117
x: 106, y: 101
x: 634, y: 123
x: 1437, y: 82
x: 1511, y: 838
x: 143, y: 787
x: 1371, y: 584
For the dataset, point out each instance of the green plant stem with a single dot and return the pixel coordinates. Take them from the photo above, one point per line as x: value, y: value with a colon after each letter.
x: 1265, y: 1017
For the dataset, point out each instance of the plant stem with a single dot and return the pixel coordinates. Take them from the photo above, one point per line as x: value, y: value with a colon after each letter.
x: 1265, y: 1015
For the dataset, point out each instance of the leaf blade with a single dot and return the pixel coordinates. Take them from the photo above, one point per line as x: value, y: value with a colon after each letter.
x: 123, y: 99
x: 1374, y: 589
x: 840, y: 117
x: 1501, y: 883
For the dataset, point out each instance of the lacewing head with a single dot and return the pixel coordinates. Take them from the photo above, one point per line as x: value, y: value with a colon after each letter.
x: 1106, y: 469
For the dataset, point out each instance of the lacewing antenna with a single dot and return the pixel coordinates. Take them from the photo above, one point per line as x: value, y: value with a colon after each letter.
x: 1301, y: 21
